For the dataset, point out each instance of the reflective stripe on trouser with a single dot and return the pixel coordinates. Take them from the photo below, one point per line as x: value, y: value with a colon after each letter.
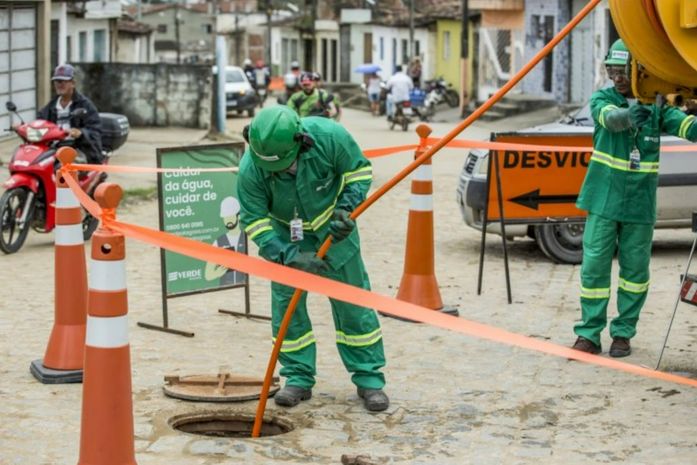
x: 358, y: 333
x: 600, y: 239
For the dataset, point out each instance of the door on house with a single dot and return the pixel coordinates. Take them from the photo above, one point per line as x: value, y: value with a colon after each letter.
x: 581, y: 58
x: 308, y: 51
x: 325, y: 60
x: 17, y: 61
x: 368, y: 47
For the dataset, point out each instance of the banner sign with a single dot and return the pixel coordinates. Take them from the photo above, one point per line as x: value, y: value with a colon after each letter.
x: 203, y: 207
x: 537, y: 186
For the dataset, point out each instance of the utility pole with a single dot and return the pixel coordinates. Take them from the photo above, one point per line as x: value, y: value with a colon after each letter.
x: 269, y: 11
x: 176, y: 32
x: 313, y: 47
x: 411, y: 30
x: 238, y: 59
x: 464, y: 59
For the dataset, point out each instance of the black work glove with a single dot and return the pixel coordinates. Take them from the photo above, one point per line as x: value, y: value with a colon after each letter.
x: 639, y: 115
x: 341, y: 225
x: 307, y: 261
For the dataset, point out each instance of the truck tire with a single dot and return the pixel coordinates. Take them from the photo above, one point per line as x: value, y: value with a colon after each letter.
x: 562, y: 243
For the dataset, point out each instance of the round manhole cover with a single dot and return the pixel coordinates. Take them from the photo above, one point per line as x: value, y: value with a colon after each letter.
x: 228, y: 424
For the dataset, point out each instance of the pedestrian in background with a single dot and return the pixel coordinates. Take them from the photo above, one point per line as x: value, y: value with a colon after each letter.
x: 619, y: 193
x: 374, y: 93
x: 414, y: 71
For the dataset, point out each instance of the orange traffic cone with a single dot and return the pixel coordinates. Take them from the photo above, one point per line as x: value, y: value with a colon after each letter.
x: 107, y: 408
x: 419, y: 285
x: 64, y: 356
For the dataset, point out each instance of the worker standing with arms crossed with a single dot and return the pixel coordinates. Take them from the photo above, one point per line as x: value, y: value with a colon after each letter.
x: 619, y: 193
x: 299, y: 182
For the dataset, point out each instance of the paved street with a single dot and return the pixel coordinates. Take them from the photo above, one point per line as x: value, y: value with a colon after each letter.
x: 455, y: 399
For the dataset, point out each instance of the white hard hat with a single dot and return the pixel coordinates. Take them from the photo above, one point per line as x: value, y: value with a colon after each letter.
x: 230, y: 206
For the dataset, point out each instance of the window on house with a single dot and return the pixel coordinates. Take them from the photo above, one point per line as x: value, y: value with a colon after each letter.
x: 382, y: 48
x: 69, y: 49
x: 394, y: 53
x: 405, y: 51
x: 162, y: 28
x: 417, y: 48
x: 294, y: 49
x: 207, y: 28
x: 446, y: 45
x: 82, y: 44
x: 100, y: 46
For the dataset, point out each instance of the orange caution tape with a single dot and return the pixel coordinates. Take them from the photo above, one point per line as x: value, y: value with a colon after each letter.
x: 146, y: 169
x: 374, y: 153
x: 344, y: 292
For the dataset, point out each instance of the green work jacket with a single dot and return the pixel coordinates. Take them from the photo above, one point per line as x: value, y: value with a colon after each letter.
x: 331, y: 174
x: 315, y: 104
x: 612, y: 188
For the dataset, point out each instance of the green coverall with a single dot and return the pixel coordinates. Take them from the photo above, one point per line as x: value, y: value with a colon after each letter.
x: 331, y: 174
x: 620, y: 198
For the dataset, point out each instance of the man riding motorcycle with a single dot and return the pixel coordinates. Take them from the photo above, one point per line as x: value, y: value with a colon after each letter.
x: 311, y: 100
x: 84, y: 127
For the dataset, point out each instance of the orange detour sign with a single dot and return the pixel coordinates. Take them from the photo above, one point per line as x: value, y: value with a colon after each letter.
x: 106, y: 436
x: 537, y: 186
x: 62, y: 362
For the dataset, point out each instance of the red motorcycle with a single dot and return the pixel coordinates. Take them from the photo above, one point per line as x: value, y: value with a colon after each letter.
x: 30, y: 194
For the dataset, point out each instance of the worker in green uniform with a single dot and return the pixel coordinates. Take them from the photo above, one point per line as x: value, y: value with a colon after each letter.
x: 619, y: 193
x: 311, y: 100
x: 299, y: 183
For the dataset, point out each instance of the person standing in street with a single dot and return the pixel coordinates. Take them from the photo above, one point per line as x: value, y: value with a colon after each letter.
x: 619, y: 194
x: 373, y: 90
x: 299, y: 181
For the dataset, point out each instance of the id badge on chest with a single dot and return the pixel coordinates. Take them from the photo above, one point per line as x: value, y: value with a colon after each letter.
x: 296, y: 228
x: 634, y: 160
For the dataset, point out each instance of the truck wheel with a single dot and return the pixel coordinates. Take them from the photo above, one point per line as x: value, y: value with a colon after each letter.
x: 562, y: 243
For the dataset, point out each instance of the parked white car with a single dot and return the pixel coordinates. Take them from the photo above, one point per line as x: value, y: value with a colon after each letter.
x: 562, y: 243
x: 239, y: 93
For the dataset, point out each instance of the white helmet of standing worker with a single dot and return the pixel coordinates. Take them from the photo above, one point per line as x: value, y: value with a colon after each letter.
x: 230, y: 206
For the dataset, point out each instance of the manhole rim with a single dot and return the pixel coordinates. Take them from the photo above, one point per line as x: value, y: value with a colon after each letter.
x: 270, y: 419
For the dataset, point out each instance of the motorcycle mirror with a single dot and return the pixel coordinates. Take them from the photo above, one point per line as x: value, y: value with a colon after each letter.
x: 78, y: 112
x: 11, y: 106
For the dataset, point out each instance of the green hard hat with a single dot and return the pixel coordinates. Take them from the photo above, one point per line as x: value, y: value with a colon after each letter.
x: 618, y: 55
x: 273, y: 138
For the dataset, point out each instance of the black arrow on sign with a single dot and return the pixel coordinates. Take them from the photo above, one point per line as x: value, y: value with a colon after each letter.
x: 533, y: 199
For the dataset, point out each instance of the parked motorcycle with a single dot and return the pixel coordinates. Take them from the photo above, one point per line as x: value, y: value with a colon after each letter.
x: 443, y: 89
x: 30, y: 194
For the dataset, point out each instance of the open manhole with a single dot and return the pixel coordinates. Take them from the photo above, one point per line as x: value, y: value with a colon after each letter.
x: 228, y: 424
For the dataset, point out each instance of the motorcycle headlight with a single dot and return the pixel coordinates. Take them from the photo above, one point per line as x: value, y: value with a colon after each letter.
x: 35, y: 135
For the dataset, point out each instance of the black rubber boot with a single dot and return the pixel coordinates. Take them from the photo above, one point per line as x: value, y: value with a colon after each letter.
x: 374, y: 400
x: 290, y: 396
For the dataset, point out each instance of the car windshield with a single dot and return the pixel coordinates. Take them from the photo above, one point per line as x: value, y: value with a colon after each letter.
x: 582, y: 117
x: 234, y: 75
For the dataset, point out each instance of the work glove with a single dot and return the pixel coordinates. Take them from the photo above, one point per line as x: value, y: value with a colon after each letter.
x: 341, y: 225
x: 639, y: 115
x: 307, y: 261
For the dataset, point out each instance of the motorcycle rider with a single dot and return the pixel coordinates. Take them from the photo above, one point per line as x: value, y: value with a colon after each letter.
x: 262, y: 78
x: 291, y: 80
x: 249, y: 71
x: 311, y: 101
x: 85, y: 130
x: 399, y: 86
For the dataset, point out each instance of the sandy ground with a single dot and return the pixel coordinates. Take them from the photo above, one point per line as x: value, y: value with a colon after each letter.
x: 455, y: 399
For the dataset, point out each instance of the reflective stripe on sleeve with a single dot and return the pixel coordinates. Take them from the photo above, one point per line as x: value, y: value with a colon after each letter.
x: 596, y: 293
x: 107, y: 333
x: 635, y: 288
x: 685, y: 126
x: 623, y: 165
x: 359, y: 340
x: 297, y: 344
x: 69, y: 234
x: 258, y: 227
x: 361, y: 174
x: 604, y: 110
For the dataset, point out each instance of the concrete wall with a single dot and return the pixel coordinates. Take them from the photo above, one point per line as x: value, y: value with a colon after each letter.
x: 386, y: 59
x: 150, y: 94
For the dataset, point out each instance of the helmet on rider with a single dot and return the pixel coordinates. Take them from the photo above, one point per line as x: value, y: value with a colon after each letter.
x: 247, y: 62
x: 274, y: 138
x: 618, y: 54
x: 294, y: 65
